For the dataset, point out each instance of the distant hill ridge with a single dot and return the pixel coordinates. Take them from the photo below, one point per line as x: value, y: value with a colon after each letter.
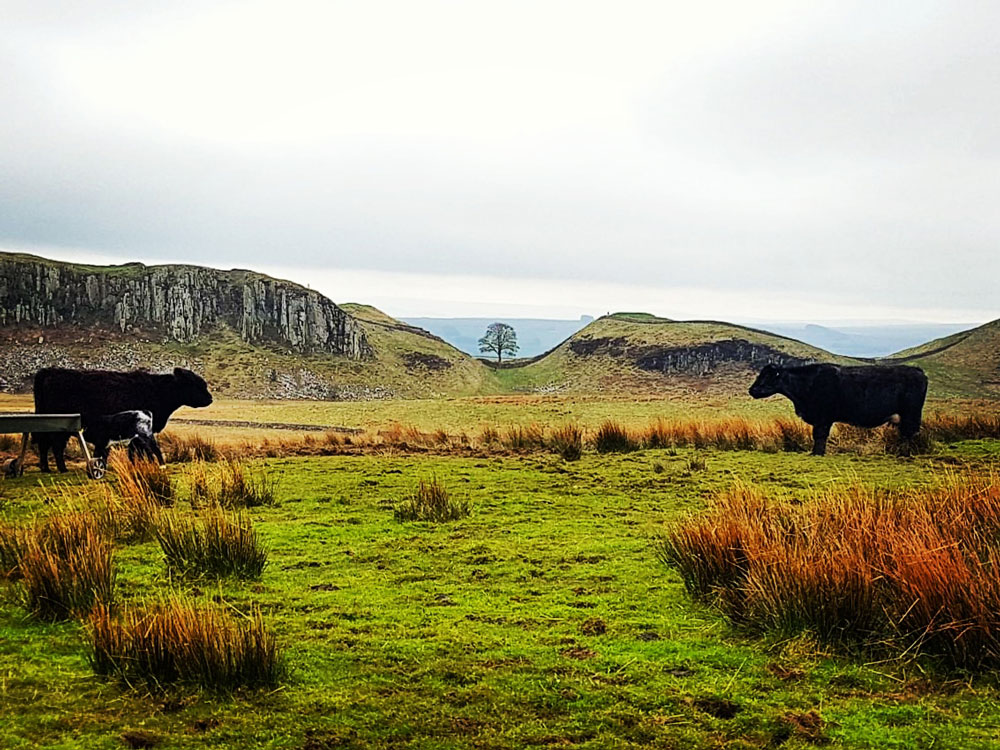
x: 174, y: 302
x: 253, y: 336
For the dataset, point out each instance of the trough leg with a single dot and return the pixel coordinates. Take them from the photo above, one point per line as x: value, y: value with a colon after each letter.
x: 16, y: 467
x: 820, y: 434
x: 95, y: 466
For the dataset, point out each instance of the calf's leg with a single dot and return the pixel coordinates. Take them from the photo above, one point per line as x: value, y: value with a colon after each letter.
x: 820, y: 434
x: 155, y: 447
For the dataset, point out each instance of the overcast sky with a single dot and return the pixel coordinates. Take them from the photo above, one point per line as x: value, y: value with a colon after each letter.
x: 735, y: 160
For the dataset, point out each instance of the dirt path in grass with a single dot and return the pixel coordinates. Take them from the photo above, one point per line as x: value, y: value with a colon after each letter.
x: 269, y: 425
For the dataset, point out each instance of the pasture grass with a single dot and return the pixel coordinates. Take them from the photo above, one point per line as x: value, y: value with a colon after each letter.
x: 543, y: 619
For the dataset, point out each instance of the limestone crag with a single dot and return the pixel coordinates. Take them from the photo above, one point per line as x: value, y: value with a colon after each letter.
x: 177, y: 303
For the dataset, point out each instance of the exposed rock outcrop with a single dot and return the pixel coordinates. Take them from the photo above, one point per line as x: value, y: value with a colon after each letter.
x: 705, y: 358
x: 174, y: 302
x: 698, y: 359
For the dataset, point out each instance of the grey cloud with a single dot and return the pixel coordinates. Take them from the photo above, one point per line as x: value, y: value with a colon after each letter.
x: 852, y: 159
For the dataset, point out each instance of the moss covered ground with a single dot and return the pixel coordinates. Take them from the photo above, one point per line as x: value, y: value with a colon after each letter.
x: 543, y: 619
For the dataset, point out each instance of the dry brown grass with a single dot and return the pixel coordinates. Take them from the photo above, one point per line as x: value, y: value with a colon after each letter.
x: 183, y: 448
x: 731, y: 433
x: 66, y: 567
x: 142, y: 481
x: 178, y: 641
x: 567, y: 441
x: 13, y: 541
x: 916, y: 571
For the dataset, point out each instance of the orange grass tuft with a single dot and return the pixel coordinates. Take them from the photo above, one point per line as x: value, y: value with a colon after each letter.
x: 66, y: 567
x: 177, y: 641
x: 914, y: 570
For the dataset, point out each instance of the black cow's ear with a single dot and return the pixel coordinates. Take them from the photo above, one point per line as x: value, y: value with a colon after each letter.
x: 180, y: 372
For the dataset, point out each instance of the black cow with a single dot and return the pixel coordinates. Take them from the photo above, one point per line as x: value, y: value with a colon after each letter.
x: 99, y: 393
x: 861, y: 396
x: 134, y: 427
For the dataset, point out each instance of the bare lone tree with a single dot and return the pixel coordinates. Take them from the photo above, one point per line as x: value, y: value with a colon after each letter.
x: 500, y: 338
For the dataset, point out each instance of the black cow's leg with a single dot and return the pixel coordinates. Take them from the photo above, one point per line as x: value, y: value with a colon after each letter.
x: 909, y: 426
x: 59, y: 451
x: 43, y: 451
x: 820, y: 434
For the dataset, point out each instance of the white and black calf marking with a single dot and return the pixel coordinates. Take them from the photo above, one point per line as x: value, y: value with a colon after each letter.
x: 134, y: 427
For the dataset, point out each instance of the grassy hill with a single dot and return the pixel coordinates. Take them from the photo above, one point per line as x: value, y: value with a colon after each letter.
x: 638, y: 352
x: 965, y: 364
x: 414, y: 361
x: 406, y: 362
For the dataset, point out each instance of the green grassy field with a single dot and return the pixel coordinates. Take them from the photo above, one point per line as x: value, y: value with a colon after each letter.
x: 541, y: 620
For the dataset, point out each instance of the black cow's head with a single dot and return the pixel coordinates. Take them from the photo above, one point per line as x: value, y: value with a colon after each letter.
x: 192, y: 390
x: 768, y: 382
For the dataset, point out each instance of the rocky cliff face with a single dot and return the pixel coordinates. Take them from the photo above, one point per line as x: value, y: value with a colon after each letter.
x: 178, y: 303
x: 698, y: 359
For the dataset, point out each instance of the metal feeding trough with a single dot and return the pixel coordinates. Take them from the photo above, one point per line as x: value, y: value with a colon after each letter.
x: 25, y: 424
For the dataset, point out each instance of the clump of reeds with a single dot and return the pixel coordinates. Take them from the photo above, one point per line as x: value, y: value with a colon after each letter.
x: 613, y: 437
x: 142, y: 481
x: 66, y: 567
x: 127, y: 517
x: 431, y: 501
x: 9, y: 443
x: 522, y: 438
x: 794, y: 437
x: 913, y: 571
x: 567, y: 441
x: 178, y: 641
x: 243, y: 487
x: 199, y: 489
x: 489, y: 436
x: 217, y: 544
x: 949, y: 428
x: 179, y: 449
x: 13, y: 540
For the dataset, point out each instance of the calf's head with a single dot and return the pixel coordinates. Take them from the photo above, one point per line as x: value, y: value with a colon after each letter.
x: 192, y: 389
x: 768, y: 382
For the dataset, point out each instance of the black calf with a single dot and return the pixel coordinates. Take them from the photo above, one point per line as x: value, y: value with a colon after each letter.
x: 135, y: 426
